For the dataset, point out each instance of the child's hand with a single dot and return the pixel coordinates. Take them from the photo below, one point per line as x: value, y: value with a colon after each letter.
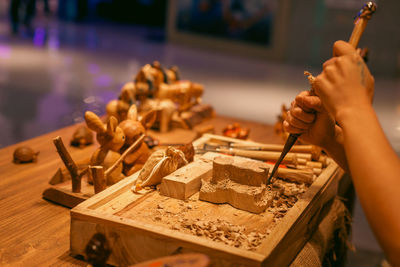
x: 345, y: 85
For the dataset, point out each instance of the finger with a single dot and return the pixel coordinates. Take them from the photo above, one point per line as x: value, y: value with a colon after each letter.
x: 299, y: 114
x: 291, y: 129
x: 293, y: 121
x: 341, y: 48
x: 299, y: 102
x: 329, y: 62
x: 313, y: 102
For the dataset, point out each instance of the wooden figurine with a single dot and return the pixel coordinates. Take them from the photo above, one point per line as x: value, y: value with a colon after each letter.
x: 133, y: 129
x: 111, y: 139
x: 24, y: 154
x: 82, y: 137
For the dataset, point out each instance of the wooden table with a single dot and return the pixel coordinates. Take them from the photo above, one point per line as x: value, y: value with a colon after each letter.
x: 36, y: 232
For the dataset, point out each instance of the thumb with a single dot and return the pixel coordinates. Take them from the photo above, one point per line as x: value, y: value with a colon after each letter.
x: 341, y: 48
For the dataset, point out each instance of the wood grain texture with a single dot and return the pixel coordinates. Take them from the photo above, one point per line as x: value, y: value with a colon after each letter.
x: 186, y: 181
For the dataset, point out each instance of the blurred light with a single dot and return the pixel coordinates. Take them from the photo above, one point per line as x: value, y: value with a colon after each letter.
x: 39, y: 37
x: 103, y: 80
x: 5, y: 51
x: 90, y: 100
x: 93, y: 68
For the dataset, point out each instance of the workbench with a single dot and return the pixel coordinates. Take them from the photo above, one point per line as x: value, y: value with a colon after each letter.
x: 35, y: 232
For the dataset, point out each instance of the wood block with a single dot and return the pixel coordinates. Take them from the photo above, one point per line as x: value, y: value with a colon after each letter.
x: 239, y: 182
x: 186, y: 181
x: 240, y: 170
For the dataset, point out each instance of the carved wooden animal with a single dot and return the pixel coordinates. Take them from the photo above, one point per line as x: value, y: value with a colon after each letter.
x: 133, y: 129
x: 24, y: 154
x: 82, y: 137
x: 111, y: 138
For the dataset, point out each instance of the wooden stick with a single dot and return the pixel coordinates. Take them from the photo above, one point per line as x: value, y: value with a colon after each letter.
x: 69, y: 164
x: 261, y: 155
x: 361, y: 22
x: 99, y: 180
x: 316, y: 171
x: 306, y: 149
x: 294, y: 175
x: 126, y: 152
x: 314, y: 164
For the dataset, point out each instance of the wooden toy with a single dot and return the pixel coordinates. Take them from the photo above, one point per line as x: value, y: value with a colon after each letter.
x: 111, y: 138
x: 24, y: 154
x: 156, y: 88
x: 82, y: 137
x: 133, y: 129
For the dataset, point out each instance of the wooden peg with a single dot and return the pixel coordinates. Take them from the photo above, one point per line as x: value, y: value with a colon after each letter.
x: 99, y: 179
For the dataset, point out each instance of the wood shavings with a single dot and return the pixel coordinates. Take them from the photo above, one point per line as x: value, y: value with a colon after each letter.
x: 222, y: 231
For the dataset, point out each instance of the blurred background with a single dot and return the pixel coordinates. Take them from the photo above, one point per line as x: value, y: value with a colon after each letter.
x: 59, y: 58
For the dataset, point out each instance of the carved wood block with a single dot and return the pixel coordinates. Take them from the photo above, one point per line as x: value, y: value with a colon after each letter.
x: 239, y: 182
x: 240, y: 170
x: 186, y: 181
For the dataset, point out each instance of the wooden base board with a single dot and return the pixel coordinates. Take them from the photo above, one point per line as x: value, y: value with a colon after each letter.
x: 62, y: 193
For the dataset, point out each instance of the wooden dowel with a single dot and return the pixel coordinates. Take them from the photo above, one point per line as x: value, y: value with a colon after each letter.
x: 126, y: 152
x: 324, y: 160
x: 99, y: 180
x: 69, y: 164
x: 261, y: 155
x: 314, y: 164
x: 305, y: 156
x: 301, y: 161
x: 301, y: 176
x: 309, y: 149
x: 316, y: 171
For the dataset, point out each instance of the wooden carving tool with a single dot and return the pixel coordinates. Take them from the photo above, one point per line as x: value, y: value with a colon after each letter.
x: 253, y: 154
x: 361, y: 20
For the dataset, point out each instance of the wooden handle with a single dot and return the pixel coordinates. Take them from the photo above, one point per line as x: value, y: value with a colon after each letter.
x: 361, y: 22
x: 261, y: 155
x: 300, y: 176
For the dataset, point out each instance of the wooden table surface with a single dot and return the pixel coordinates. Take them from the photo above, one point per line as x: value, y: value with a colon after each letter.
x: 34, y: 231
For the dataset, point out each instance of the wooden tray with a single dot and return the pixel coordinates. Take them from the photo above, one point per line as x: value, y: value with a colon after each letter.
x: 136, y: 233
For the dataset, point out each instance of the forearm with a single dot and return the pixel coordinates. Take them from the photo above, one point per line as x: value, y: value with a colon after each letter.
x: 375, y: 170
